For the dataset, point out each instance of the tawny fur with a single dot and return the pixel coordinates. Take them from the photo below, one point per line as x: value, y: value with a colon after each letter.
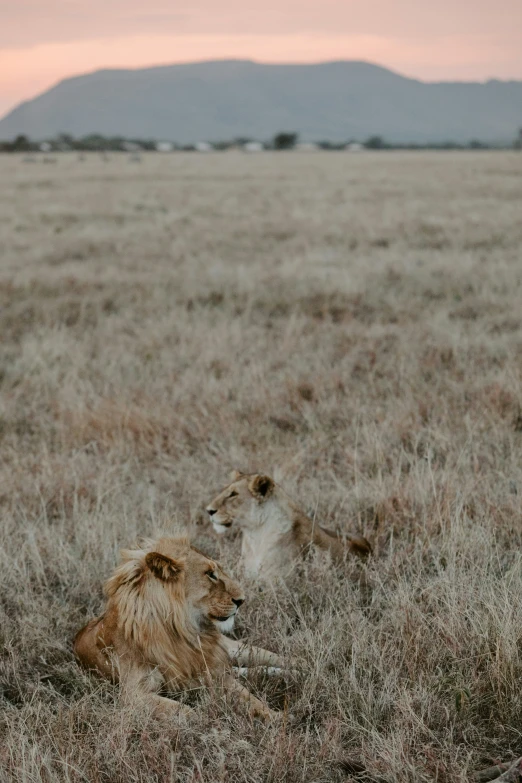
x: 276, y: 532
x: 160, y: 630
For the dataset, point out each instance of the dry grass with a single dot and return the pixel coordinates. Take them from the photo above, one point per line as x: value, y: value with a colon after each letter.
x: 348, y: 323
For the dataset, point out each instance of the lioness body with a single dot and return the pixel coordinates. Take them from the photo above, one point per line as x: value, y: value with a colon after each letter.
x: 162, y: 628
x: 275, y: 531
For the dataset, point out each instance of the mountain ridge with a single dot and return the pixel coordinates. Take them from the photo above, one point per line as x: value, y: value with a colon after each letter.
x: 218, y: 99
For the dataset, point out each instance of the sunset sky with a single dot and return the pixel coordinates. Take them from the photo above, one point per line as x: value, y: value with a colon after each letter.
x: 43, y: 41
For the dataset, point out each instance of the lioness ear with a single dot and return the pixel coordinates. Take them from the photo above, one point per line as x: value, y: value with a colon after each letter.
x: 163, y: 567
x: 261, y: 487
x: 235, y: 475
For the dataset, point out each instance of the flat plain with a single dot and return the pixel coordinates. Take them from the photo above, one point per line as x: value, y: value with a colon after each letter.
x: 350, y: 324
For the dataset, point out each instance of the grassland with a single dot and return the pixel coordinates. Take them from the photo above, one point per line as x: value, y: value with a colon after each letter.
x: 350, y: 324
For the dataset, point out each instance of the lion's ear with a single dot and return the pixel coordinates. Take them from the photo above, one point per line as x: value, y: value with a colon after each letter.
x: 261, y: 487
x: 163, y: 567
x: 235, y: 475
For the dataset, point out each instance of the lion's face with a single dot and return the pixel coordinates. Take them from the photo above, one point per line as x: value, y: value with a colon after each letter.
x: 238, y: 502
x: 208, y: 592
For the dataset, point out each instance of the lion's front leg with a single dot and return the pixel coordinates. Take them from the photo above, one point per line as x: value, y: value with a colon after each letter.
x: 242, y: 654
x: 236, y: 692
x: 247, y: 657
x: 140, y: 687
x: 167, y: 708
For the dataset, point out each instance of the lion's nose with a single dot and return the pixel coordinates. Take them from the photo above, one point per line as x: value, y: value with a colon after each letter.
x: 211, y: 511
x: 238, y: 601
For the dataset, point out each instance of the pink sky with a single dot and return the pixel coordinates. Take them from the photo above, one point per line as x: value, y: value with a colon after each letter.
x: 43, y: 41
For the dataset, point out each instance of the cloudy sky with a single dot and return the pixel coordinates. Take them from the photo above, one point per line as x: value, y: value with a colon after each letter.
x: 42, y: 41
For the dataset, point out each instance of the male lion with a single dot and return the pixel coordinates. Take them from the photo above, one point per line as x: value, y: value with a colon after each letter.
x: 275, y: 530
x: 162, y: 629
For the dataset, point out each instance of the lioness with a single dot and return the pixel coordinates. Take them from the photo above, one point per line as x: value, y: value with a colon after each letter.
x: 162, y: 629
x: 275, y: 530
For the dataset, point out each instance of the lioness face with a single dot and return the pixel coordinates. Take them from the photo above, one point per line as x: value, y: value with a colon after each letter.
x: 211, y: 594
x: 238, y: 502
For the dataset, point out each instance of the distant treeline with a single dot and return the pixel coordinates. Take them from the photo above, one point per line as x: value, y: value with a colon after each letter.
x: 95, y: 142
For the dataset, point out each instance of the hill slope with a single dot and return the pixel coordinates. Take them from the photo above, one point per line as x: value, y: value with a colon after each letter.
x: 224, y: 99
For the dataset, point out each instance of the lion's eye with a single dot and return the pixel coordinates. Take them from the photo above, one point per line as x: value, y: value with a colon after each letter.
x: 211, y: 575
x: 233, y: 494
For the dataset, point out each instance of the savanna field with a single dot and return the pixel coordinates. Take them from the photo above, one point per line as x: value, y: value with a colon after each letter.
x: 350, y: 324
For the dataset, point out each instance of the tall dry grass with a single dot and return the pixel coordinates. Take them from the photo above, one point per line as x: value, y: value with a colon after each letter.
x: 351, y: 324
